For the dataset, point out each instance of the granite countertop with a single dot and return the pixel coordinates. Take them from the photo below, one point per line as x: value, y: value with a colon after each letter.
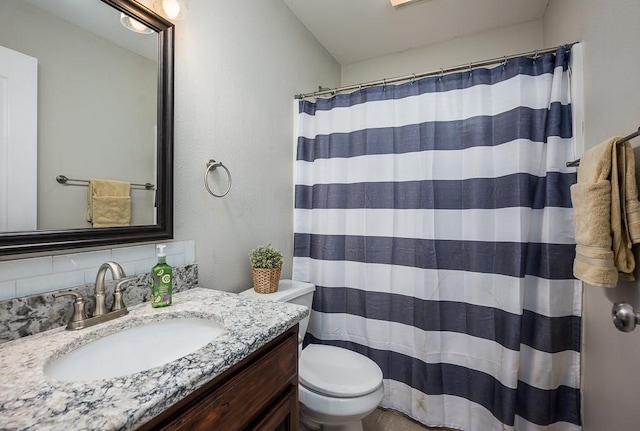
x: 31, y: 400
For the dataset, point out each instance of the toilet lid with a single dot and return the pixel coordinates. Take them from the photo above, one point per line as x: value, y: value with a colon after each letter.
x: 338, y: 372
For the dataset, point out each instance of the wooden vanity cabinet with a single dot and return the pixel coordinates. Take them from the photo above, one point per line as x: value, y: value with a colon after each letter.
x: 258, y: 393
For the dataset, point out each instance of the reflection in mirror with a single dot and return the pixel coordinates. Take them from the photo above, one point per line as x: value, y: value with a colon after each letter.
x: 96, y: 103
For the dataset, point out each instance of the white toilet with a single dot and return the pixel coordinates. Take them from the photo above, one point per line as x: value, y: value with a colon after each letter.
x: 337, y: 387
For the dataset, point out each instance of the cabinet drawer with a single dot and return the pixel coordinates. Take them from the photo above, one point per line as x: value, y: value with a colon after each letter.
x: 236, y: 403
x: 283, y: 414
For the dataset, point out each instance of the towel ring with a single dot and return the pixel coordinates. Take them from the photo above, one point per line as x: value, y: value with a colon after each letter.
x: 211, y: 166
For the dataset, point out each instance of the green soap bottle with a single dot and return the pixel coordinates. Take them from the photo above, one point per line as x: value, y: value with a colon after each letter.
x: 162, y: 280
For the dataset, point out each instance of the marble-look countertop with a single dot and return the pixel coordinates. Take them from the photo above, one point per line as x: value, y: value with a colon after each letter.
x: 30, y: 400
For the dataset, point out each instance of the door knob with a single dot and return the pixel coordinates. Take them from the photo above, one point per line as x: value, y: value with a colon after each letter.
x: 624, y: 317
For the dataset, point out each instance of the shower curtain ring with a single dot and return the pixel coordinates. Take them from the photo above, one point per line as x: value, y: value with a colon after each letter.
x: 211, y: 166
x: 441, y: 74
x: 504, y: 62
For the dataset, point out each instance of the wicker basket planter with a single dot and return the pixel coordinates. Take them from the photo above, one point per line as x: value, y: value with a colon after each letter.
x: 265, y: 280
x: 266, y: 262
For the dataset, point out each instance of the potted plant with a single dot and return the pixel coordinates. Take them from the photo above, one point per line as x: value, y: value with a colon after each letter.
x: 266, y: 262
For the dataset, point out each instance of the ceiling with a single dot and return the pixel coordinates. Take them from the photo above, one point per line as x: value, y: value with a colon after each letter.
x: 356, y: 30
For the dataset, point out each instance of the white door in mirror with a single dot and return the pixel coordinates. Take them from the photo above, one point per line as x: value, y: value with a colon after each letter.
x: 18, y: 140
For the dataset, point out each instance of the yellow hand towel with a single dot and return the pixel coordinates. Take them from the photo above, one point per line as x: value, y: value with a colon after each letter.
x: 632, y: 204
x: 109, y: 203
x: 622, y: 255
x: 607, y: 214
x: 594, y: 258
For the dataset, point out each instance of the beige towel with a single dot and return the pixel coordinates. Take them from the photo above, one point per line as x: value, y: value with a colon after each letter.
x: 109, y: 203
x: 607, y: 214
x: 631, y: 195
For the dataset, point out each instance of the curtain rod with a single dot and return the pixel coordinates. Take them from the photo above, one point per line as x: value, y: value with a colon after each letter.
x: 576, y: 163
x: 322, y: 91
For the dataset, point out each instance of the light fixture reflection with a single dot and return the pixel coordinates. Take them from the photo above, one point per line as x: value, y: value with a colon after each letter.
x: 398, y: 4
x: 134, y: 25
x: 175, y: 10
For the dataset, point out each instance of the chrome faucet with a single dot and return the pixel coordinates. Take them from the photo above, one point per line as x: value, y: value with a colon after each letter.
x: 117, y: 273
x: 79, y: 318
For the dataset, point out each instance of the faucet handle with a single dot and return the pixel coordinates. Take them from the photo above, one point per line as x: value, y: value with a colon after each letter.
x: 79, y: 314
x: 118, y: 301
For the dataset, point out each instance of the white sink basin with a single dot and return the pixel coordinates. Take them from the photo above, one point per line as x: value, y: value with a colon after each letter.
x: 134, y: 349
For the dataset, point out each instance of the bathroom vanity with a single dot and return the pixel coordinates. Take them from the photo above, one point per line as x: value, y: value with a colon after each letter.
x: 259, y: 393
x: 246, y: 378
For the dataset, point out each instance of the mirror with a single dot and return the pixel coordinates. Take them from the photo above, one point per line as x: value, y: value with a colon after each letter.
x: 102, y: 107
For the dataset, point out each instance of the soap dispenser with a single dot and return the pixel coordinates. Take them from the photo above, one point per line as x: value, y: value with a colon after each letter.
x: 162, y: 280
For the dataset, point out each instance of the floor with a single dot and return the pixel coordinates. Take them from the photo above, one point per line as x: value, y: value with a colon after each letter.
x: 389, y: 420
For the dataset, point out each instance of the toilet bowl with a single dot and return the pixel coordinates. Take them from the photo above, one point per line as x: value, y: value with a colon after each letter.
x: 337, y: 414
x: 337, y: 387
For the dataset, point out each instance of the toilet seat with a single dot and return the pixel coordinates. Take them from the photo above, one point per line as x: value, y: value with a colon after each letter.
x: 338, y: 372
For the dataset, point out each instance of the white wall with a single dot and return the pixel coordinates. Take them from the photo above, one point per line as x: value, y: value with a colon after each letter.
x: 611, y: 35
x: 482, y: 46
x: 238, y: 66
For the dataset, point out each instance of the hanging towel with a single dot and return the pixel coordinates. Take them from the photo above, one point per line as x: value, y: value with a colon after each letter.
x: 607, y: 214
x: 109, y: 203
x: 632, y: 204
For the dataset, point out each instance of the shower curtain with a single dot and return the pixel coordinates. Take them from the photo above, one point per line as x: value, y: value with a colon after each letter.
x: 435, y: 219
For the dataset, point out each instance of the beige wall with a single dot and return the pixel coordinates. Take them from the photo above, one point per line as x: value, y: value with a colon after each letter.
x: 238, y: 66
x: 611, y: 35
x: 482, y: 46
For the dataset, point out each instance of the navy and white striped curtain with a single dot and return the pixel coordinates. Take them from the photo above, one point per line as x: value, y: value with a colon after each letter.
x: 435, y: 219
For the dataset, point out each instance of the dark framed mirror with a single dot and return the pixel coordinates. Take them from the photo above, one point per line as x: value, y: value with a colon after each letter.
x: 90, y: 151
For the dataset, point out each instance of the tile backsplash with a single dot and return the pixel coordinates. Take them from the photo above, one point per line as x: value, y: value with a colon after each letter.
x: 27, y: 306
x: 26, y: 277
x: 29, y: 315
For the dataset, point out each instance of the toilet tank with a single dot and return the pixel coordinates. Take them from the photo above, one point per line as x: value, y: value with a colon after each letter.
x: 291, y: 291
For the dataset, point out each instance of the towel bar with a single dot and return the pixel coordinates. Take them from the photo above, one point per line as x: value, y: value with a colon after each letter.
x: 63, y: 180
x: 576, y: 163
